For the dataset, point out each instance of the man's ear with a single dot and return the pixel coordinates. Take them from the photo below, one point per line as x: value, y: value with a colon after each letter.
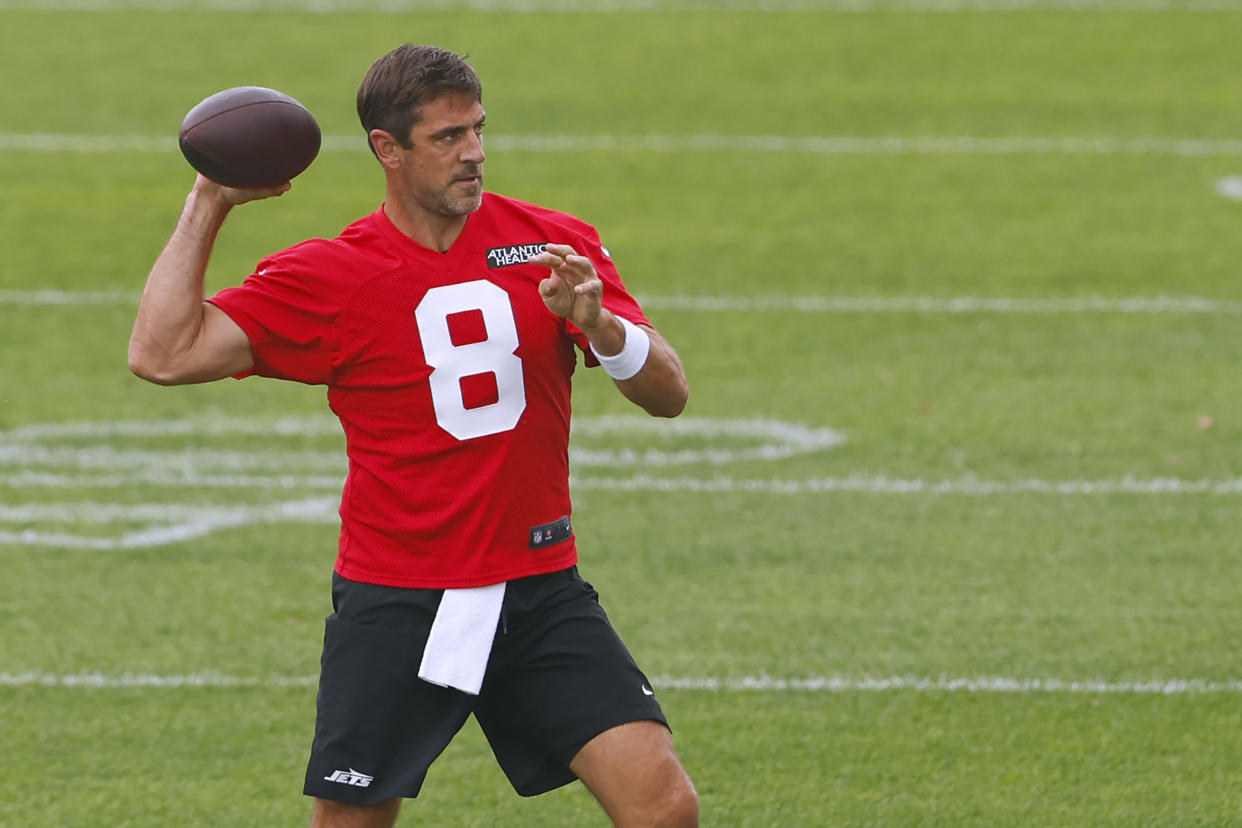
x: 386, y: 147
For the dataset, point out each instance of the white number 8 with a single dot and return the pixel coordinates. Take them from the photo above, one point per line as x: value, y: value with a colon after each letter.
x: 451, y: 363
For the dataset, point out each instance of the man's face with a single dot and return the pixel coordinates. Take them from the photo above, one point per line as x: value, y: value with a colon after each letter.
x: 443, y: 168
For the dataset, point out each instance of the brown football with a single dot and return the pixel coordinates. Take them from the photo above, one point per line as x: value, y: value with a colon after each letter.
x: 249, y: 137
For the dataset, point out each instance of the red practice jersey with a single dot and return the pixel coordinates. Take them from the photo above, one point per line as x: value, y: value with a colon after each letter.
x: 451, y: 379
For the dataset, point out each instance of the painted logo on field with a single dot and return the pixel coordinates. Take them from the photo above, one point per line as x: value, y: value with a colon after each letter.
x: 150, y: 483
x: 514, y: 254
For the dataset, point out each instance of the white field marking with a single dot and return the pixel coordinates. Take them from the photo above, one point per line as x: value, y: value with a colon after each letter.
x: 756, y: 683
x: 72, y: 298
x: 799, y: 304
x: 785, y: 144
x: 27, y: 479
x: 86, y: 455
x: 165, y: 460
x: 192, y: 524
x: 20, y: 447
x: 611, y: 6
x: 950, y: 304
x: 981, y: 684
x: 881, y: 484
x: 90, y: 512
x: 1230, y: 187
x: 782, y: 440
x: 101, y: 681
x: 315, y: 425
x: 861, y: 483
x: 121, y: 455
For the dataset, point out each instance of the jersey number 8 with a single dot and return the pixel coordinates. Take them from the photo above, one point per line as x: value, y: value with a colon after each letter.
x: 451, y: 362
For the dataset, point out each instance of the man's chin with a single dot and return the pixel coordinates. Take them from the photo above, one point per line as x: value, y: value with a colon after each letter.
x: 455, y: 206
x: 468, y: 204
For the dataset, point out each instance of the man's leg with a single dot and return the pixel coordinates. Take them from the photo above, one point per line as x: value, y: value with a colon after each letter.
x: 328, y: 814
x: 635, y: 774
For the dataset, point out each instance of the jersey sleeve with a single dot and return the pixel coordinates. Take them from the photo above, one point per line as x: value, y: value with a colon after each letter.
x: 288, y: 316
x: 616, y: 297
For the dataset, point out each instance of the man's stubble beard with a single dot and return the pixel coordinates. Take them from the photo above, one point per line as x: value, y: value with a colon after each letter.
x: 443, y: 203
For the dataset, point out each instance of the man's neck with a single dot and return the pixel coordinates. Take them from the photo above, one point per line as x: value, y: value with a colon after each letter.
x: 427, y: 229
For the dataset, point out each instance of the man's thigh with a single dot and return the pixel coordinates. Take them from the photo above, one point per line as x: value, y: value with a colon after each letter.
x: 634, y: 772
x: 560, y: 676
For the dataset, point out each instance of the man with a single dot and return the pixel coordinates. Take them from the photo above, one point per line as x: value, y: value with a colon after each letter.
x: 444, y: 326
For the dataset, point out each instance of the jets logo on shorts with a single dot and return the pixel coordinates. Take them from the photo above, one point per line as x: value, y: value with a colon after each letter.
x: 351, y: 777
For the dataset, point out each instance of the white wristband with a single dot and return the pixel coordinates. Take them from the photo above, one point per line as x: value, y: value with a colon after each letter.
x: 633, y: 356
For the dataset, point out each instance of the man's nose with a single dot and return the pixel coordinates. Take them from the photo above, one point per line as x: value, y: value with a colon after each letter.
x: 472, y: 150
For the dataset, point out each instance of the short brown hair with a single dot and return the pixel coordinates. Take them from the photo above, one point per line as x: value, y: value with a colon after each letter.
x: 399, y: 83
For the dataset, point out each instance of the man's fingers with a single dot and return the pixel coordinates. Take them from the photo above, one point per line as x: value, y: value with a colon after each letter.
x: 573, y: 288
x: 546, y: 260
x: 563, y: 258
x: 589, y: 287
x: 562, y: 250
x: 240, y: 196
x: 549, y: 286
x: 573, y: 268
x: 236, y: 196
x: 550, y: 259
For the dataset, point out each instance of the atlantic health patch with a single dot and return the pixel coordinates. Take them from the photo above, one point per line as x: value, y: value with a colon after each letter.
x: 513, y: 254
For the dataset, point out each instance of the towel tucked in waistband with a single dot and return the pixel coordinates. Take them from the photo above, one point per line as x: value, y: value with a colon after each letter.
x: 461, y: 637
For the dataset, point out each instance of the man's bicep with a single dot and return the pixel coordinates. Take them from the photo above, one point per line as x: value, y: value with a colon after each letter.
x: 222, y: 349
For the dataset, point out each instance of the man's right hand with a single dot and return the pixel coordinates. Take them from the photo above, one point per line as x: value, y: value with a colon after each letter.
x: 207, y: 188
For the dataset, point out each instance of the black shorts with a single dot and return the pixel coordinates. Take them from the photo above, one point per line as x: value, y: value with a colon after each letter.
x: 558, y: 676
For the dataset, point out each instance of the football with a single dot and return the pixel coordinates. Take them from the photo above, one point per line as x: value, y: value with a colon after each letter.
x: 249, y: 137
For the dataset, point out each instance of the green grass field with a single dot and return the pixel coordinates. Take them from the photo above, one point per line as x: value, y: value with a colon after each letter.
x: 985, y: 247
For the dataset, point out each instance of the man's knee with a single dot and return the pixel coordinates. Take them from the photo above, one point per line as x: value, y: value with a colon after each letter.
x: 673, y: 803
x: 634, y: 772
x: 326, y: 813
x: 680, y: 809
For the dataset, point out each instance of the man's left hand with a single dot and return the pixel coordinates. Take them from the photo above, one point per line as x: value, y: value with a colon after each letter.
x: 573, y: 290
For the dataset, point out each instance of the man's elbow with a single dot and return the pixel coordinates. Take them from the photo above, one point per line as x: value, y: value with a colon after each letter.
x: 670, y: 404
x: 144, y: 367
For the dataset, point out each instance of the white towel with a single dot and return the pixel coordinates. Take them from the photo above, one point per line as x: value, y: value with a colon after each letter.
x: 461, y: 637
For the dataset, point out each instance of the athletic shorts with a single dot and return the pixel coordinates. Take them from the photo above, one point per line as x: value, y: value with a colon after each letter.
x: 558, y: 676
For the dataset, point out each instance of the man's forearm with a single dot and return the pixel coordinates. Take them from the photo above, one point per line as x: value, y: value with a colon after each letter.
x: 170, y: 314
x: 660, y: 387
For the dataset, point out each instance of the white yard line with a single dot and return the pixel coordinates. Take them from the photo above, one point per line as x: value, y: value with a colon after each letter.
x: 754, y: 683
x: 188, y: 522
x: 70, y: 298
x: 700, y: 143
x: 947, y: 304
x: 125, y: 455
x: 105, y: 513
x: 174, y: 523
x: 861, y: 482
x: 1230, y: 187
x: 882, y: 484
x: 120, y: 456
x: 188, y: 479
